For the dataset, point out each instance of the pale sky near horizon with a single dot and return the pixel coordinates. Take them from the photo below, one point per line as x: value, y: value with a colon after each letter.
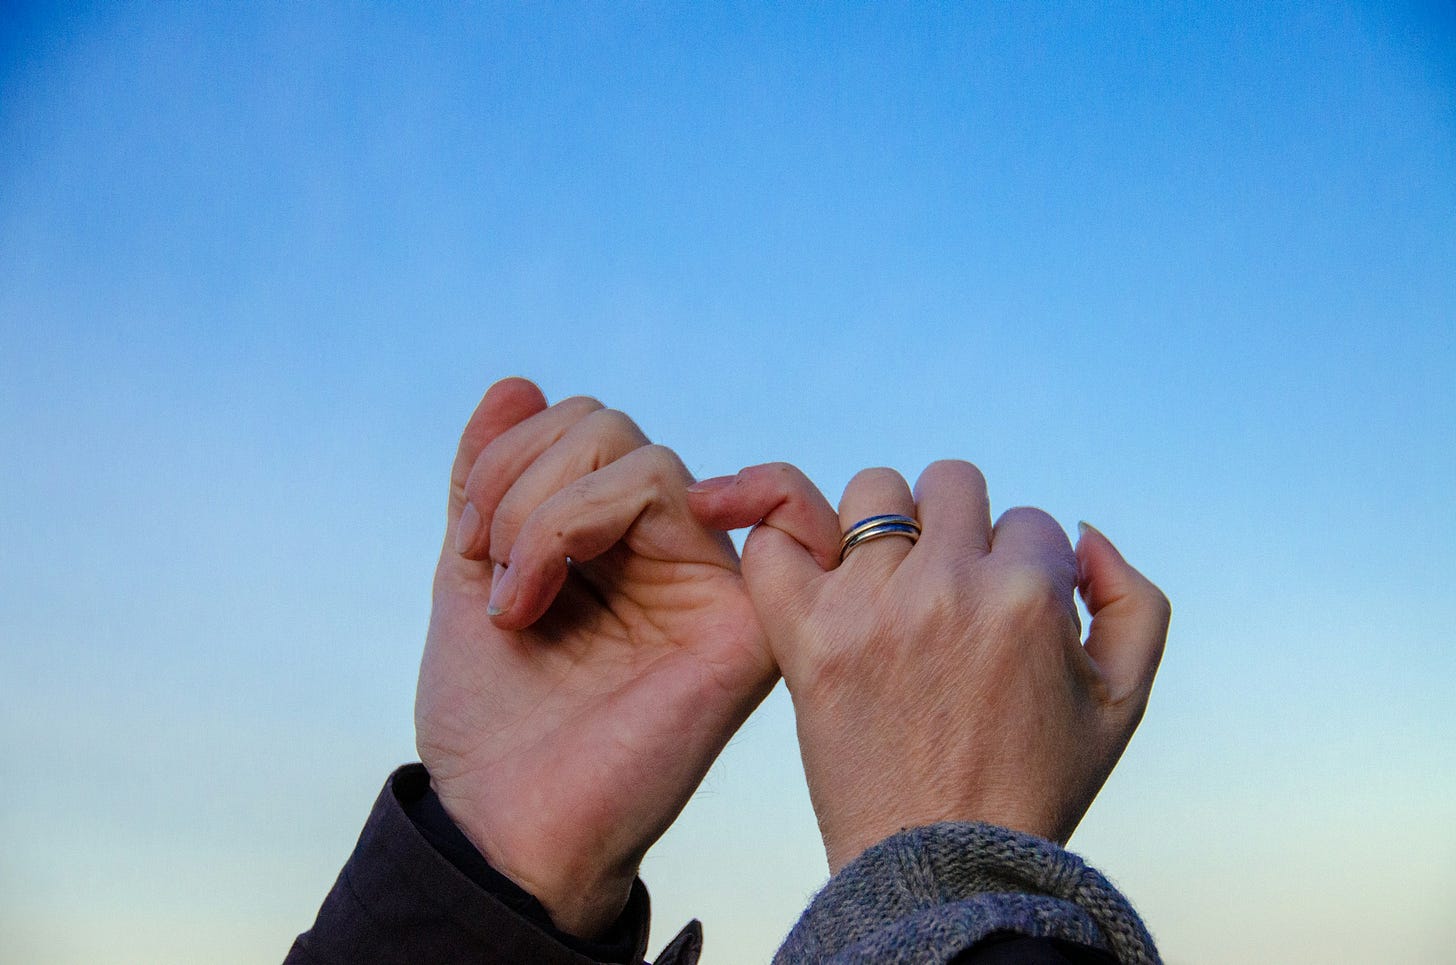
x: 1186, y: 271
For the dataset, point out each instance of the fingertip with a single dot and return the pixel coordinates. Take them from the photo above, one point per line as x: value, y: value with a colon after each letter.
x: 1130, y: 615
x: 1104, y: 574
x: 467, y: 532
x: 502, y: 591
x: 508, y: 401
x: 505, y: 404
x: 1086, y: 534
x: 520, y: 595
x: 1086, y: 531
x: 770, y: 497
x: 517, y: 386
x: 958, y: 473
x: 725, y: 502
x: 1094, y: 552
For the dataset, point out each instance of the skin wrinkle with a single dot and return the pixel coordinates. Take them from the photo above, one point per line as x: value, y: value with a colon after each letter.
x: 594, y: 499
x: 645, y: 612
x: 495, y: 464
x: 1033, y: 598
x: 631, y: 647
x: 632, y: 662
x: 525, y: 718
x: 636, y: 675
x: 606, y: 778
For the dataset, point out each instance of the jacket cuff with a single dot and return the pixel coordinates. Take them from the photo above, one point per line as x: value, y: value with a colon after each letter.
x: 940, y: 889
x: 399, y: 900
x: 623, y: 942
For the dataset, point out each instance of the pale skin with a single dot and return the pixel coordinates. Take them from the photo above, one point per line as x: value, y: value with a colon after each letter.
x: 566, y: 719
x: 566, y: 722
x: 944, y: 680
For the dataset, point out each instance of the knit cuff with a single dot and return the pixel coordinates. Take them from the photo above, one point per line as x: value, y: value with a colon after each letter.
x: 927, y: 894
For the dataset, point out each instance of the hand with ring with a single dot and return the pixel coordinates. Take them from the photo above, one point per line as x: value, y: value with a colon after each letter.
x: 939, y: 672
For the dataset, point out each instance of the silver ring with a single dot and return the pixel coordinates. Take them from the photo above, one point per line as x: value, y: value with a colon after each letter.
x: 874, y: 527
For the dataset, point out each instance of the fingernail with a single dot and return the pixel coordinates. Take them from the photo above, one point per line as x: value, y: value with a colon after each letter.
x: 711, y: 485
x: 502, y: 591
x: 467, y: 529
x: 1084, y: 527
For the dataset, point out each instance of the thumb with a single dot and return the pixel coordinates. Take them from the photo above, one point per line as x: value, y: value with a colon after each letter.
x: 1129, y: 617
x: 795, y: 536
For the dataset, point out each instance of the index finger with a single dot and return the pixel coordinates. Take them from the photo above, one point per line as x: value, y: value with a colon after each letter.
x: 508, y: 402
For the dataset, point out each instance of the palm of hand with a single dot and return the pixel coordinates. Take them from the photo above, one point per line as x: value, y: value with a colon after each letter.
x: 585, y: 733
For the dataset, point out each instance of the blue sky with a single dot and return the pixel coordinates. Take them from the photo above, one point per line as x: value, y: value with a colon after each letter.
x: 1186, y: 272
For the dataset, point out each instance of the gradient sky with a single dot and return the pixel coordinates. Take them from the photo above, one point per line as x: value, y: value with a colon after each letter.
x: 1187, y: 271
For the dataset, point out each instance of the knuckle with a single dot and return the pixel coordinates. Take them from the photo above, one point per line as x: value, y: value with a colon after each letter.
x: 662, y: 469
x: 574, y: 500
x: 776, y: 469
x: 579, y: 405
x: 1149, y: 598
x: 1026, y: 591
x: 458, y: 491
x: 575, y: 409
x: 1160, y: 604
x: 954, y: 470
x: 1030, y: 516
x: 876, y: 476
x: 612, y: 423
x: 663, y: 460
x: 1131, y: 707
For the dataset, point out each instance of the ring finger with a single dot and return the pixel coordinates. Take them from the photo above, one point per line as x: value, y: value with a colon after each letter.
x: 876, y: 492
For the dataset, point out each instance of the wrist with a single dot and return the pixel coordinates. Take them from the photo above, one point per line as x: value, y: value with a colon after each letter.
x: 582, y: 911
x: 847, y: 835
x: 582, y: 895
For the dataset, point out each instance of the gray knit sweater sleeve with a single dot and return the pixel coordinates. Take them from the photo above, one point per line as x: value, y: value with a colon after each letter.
x: 926, y: 894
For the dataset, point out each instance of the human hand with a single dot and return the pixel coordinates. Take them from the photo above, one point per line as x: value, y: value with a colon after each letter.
x: 944, y: 680
x: 566, y: 719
